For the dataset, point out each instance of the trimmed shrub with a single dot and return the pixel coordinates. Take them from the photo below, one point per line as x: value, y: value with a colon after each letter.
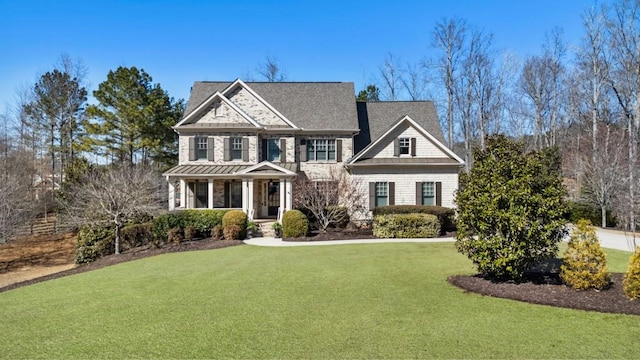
x: 238, y: 218
x: 189, y: 232
x: 446, y: 216
x: 136, y: 235
x: 174, y: 235
x: 202, y: 220
x: 631, y: 282
x: 579, y: 210
x: 294, y: 224
x: 406, y: 226
x: 585, y: 265
x: 216, y: 233
x: 232, y: 232
x: 94, y: 242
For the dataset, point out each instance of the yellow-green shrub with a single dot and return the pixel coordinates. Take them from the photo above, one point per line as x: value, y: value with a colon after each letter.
x: 631, y: 282
x: 238, y: 218
x: 406, y: 226
x: 585, y: 264
x: 232, y: 232
x: 294, y: 224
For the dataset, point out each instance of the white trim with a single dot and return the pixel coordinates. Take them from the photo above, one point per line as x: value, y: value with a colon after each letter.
x: 241, y: 83
x: 267, y: 164
x: 417, y: 127
x: 217, y: 96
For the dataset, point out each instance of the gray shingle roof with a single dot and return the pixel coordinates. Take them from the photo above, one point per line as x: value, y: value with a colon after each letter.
x: 377, y: 117
x: 309, y: 105
x: 212, y: 170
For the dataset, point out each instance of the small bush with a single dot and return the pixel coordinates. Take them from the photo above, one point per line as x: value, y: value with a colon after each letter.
x: 216, y: 233
x: 202, y: 220
x: 174, y: 235
x: 406, y: 226
x: 136, y: 235
x: 585, y: 264
x: 578, y: 211
x: 446, y: 216
x: 631, y: 282
x: 94, y: 242
x: 294, y: 224
x: 238, y: 218
x: 189, y: 232
x: 232, y: 232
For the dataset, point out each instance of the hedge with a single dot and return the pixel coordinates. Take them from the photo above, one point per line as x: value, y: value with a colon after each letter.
x: 446, y: 216
x: 237, y: 218
x: 93, y: 242
x: 413, y: 225
x: 201, y: 220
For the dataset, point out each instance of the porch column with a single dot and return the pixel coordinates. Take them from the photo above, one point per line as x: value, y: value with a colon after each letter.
x: 283, y: 195
x: 289, y: 194
x: 245, y: 196
x: 210, y: 193
x: 183, y: 194
x: 250, y: 209
x: 172, y: 195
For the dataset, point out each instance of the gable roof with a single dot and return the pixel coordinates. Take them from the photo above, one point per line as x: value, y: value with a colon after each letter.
x: 387, y: 130
x: 308, y: 105
x: 208, y: 101
x: 374, y: 119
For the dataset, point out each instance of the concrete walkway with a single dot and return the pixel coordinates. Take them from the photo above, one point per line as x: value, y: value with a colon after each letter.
x: 611, y: 239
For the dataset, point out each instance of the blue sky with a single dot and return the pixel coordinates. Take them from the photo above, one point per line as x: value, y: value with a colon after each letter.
x: 179, y: 42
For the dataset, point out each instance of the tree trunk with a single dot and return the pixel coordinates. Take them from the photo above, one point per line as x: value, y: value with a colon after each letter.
x: 603, y: 211
x: 117, y: 244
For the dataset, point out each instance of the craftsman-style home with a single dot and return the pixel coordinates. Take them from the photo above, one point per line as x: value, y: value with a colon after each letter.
x: 242, y: 145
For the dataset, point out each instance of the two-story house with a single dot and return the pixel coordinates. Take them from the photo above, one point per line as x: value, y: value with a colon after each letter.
x: 242, y: 145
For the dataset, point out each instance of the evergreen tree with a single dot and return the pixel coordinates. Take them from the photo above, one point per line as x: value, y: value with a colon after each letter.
x: 585, y: 264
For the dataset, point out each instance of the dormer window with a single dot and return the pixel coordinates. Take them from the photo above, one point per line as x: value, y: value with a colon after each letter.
x: 405, y: 145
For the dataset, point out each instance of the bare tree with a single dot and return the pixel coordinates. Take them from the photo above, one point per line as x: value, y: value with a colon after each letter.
x: 449, y: 37
x: 331, y: 200
x: 391, y: 78
x: 112, y: 196
x: 271, y: 70
x: 414, y: 81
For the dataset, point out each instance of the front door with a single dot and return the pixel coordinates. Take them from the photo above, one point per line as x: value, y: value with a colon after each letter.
x: 270, y: 197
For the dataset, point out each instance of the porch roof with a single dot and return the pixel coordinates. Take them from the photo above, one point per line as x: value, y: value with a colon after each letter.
x: 406, y: 161
x: 217, y: 170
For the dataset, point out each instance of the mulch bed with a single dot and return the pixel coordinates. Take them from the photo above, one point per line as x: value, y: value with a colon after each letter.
x: 132, y: 254
x: 334, y: 235
x: 545, y: 288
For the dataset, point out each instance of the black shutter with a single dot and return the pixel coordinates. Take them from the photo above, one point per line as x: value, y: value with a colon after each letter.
x: 418, y: 193
x: 192, y: 149
x: 392, y: 193
x: 339, y: 150
x: 245, y: 149
x: 227, y: 149
x: 396, y: 147
x: 413, y: 146
x: 210, y: 143
x: 439, y: 193
x: 264, y: 149
x: 227, y: 186
x: 283, y: 150
x: 372, y: 195
x: 303, y: 150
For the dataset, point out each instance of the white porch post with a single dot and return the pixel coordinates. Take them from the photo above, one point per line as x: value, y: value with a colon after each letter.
x: 210, y: 193
x: 289, y: 192
x: 283, y: 195
x: 183, y: 194
x: 172, y: 195
x: 245, y: 196
x: 250, y: 209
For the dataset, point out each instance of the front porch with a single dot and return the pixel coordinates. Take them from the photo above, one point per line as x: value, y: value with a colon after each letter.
x: 262, y: 191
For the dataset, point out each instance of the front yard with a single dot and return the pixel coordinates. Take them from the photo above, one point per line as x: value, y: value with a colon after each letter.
x: 348, y: 301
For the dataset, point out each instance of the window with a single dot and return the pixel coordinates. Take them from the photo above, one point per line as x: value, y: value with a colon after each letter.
x: 428, y: 193
x: 321, y: 149
x: 202, y: 195
x: 201, y: 150
x: 382, y: 194
x: 273, y: 150
x: 236, y: 194
x: 405, y: 146
x: 236, y: 148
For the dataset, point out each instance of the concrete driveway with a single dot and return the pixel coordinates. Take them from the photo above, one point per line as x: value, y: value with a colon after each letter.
x: 614, y: 239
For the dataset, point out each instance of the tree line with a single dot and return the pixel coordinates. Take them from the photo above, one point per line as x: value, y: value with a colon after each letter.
x: 583, y: 98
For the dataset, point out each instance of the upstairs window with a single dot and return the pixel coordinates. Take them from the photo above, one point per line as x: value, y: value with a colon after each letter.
x: 405, y: 146
x: 201, y: 151
x: 273, y: 150
x: 321, y: 149
x: 236, y: 148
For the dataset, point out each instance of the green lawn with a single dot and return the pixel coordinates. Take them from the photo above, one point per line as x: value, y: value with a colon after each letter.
x: 347, y: 301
